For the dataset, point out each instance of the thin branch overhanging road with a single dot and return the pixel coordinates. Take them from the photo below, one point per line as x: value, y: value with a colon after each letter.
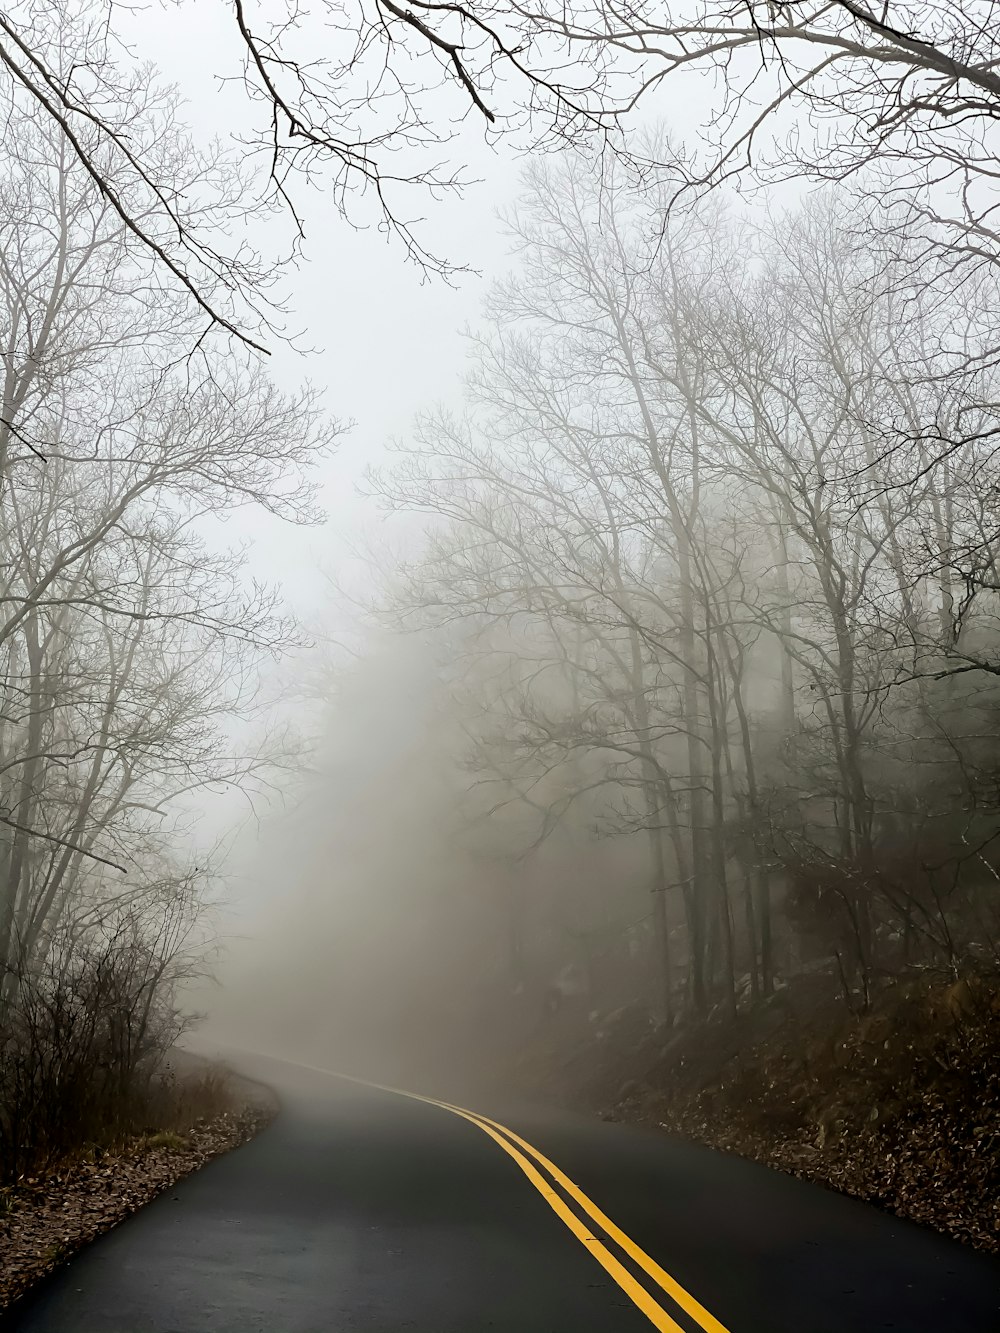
x: 364, y: 1209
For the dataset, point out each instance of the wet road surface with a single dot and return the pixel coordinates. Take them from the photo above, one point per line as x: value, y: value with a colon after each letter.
x: 363, y: 1211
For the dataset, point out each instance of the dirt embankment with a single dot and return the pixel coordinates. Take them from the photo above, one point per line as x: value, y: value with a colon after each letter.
x: 46, y: 1218
x: 899, y: 1106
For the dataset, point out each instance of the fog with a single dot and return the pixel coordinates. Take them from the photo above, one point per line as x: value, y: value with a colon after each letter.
x: 594, y: 625
x: 377, y: 925
x: 654, y: 700
x: 657, y: 700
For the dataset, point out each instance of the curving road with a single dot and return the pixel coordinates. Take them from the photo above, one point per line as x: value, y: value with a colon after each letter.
x: 365, y: 1210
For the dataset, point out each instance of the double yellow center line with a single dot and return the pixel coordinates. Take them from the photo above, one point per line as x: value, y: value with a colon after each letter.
x: 529, y: 1159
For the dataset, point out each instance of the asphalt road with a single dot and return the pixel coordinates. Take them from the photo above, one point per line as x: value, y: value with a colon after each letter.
x: 363, y: 1210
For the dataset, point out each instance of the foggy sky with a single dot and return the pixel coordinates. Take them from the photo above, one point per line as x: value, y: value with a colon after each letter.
x: 388, y: 340
x: 389, y: 344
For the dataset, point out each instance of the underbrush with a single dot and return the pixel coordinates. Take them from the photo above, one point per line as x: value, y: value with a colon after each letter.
x: 899, y: 1105
x: 99, y: 1109
x: 85, y: 1043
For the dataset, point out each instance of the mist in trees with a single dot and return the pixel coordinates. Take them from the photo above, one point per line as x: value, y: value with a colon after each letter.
x: 132, y: 639
x: 673, y: 676
x: 684, y: 666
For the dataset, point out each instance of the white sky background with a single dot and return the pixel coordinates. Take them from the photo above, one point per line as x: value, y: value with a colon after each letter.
x: 389, y: 340
x: 390, y: 344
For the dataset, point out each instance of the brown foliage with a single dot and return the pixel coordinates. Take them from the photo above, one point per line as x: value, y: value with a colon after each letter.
x: 46, y: 1218
x: 899, y: 1106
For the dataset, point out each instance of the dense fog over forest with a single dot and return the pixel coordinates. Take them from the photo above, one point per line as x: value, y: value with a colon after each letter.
x: 640, y: 656
x: 688, y: 685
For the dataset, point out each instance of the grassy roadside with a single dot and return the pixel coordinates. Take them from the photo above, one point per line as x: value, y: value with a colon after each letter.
x: 205, y: 1111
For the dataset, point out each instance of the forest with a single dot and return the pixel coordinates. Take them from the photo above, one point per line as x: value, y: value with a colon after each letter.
x: 711, y: 557
x: 131, y: 640
x: 683, y: 604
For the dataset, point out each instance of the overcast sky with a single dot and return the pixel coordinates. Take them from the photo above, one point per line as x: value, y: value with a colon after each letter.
x: 391, y: 345
x: 390, y: 339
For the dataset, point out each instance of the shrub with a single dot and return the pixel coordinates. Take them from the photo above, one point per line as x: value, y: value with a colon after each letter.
x: 83, y: 1034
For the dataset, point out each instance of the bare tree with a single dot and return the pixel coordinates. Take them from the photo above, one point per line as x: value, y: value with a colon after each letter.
x: 699, y: 590
x: 910, y: 87
x: 127, y: 640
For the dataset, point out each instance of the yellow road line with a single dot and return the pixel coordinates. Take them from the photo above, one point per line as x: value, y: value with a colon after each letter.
x: 506, y: 1139
x: 670, y: 1285
x: 637, y: 1294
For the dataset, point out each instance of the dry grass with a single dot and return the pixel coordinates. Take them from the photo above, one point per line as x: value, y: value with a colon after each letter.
x: 165, y: 1138
x: 189, y: 1092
